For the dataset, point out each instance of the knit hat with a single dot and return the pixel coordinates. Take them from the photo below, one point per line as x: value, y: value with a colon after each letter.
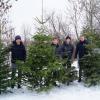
x: 17, y: 37
x: 68, y: 37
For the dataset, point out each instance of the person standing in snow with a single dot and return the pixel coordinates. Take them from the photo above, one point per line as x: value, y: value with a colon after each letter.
x: 57, y: 46
x: 80, y: 52
x: 18, y: 52
x: 67, y: 50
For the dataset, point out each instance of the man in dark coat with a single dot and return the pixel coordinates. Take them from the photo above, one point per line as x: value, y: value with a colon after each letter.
x: 67, y: 50
x: 80, y: 52
x: 18, y: 52
x: 57, y: 52
x: 57, y: 46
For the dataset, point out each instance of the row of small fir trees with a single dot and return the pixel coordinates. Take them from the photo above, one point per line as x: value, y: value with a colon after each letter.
x: 43, y: 70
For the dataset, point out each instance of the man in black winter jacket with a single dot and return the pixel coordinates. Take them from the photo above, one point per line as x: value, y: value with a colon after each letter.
x: 67, y: 50
x: 18, y: 52
x: 80, y: 52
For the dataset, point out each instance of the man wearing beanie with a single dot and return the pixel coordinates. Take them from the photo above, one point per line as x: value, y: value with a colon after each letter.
x: 18, y: 52
x: 18, y: 37
x: 68, y: 50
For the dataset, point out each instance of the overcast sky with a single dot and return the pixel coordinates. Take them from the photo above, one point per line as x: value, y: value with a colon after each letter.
x: 24, y: 11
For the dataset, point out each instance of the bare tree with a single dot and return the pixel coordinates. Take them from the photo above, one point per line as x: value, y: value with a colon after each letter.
x: 26, y: 32
x: 75, y: 15
x: 5, y: 5
x: 57, y: 25
x: 52, y: 24
x: 92, y: 10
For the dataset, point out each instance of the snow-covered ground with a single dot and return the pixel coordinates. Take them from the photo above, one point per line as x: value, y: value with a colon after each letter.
x: 74, y: 92
x: 77, y: 91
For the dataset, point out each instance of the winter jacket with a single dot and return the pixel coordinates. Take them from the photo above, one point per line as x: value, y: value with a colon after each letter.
x: 57, y: 50
x: 67, y: 50
x: 81, y: 49
x: 18, y: 52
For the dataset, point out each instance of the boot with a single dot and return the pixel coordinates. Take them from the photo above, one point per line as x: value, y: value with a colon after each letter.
x: 19, y: 86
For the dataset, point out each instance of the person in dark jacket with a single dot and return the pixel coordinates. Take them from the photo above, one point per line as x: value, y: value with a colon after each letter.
x: 18, y: 52
x: 68, y: 50
x: 57, y: 52
x: 57, y: 46
x: 80, y: 52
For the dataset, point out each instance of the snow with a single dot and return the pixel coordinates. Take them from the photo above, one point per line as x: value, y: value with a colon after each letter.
x: 73, y: 92
x: 76, y: 91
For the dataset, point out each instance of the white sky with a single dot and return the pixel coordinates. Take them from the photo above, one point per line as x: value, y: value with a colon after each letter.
x: 24, y: 11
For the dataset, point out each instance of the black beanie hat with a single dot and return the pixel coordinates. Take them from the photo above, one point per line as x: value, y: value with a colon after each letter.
x: 17, y: 37
x: 68, y: 37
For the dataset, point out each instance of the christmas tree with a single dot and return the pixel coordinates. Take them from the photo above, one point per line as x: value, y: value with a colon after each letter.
x: 91, y: 62
x: 43, y: 69
x: 4, y: 70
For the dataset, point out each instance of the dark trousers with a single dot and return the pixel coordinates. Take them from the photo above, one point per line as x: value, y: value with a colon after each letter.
x: 80, y: 70
x: 13, y: 76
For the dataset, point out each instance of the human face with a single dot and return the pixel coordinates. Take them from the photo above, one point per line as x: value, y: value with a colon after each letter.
x: 68, y: 41
x: 18, y: 41
x: 55, y: 41
x: 82, y: 38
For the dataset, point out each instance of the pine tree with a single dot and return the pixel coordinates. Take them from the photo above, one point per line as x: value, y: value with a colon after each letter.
x: 43, y: 69
x: 91, y: 68
x: 4, y: 70
x: 91, y: 62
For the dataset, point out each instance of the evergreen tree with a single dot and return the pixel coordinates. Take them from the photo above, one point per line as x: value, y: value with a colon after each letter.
x: 4, y: 70
x: 91, y: 68
x: 91, y: 62
x: 43, y: 69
